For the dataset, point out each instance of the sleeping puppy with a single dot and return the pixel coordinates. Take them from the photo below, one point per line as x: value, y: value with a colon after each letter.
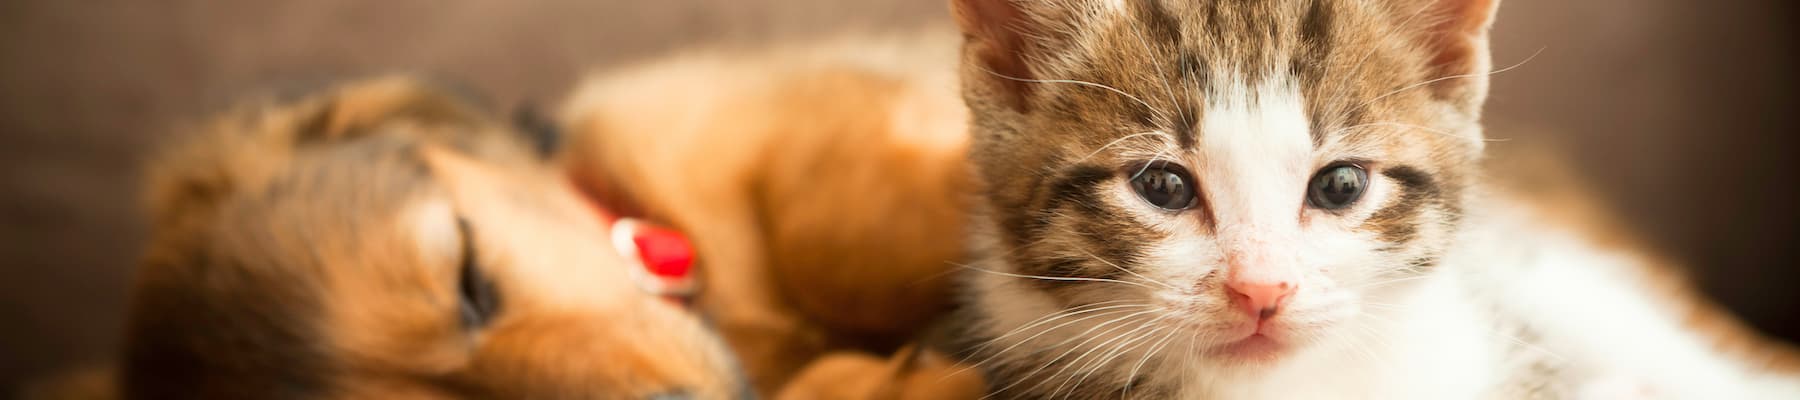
x: 387, y: 240
x: 822, y: 185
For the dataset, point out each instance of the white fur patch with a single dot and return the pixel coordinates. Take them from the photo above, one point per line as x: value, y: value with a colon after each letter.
x: 1254, y: 155
x: 1255, y: 162
x: 1590, y: 308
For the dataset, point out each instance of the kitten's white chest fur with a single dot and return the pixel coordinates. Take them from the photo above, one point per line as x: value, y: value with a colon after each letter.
x: 1591, y: 308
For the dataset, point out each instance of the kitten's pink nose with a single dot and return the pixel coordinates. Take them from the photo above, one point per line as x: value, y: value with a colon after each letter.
x: 1261, y: 297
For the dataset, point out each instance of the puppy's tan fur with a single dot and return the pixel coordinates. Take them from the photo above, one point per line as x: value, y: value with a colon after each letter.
x: 311, y: 250
x: 913, y: 373
x: 822, y: 184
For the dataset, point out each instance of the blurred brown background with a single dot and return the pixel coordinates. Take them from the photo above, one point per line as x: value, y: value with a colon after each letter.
x: 1681, y: 112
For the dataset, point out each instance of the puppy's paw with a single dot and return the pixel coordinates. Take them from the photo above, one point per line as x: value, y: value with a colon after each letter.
x: 910, y: 374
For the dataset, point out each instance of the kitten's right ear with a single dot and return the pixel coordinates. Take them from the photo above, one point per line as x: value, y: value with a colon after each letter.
x: 1458, y: 44
x: 995, y: 41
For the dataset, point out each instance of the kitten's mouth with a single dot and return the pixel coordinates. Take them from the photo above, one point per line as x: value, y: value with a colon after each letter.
x: 1260, y: 341
x: 1257, y: 347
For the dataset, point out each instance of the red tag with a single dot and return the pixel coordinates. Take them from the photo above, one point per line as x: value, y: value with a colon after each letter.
x: 662, y: 260
x: 666, y: 253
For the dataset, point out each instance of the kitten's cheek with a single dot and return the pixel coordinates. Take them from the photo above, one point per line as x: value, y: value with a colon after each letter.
x: 1172, y: 298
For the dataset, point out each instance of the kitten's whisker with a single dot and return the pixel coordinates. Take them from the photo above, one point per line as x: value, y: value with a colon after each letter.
x: 1059, y: 357
x: 1159, y: 112
x: 1033, y: 243
x: 1410, y: 270
x: 1115, y: 142
x: 1056, y: 316
x: 1190, y: 85
x: 1529, y: 346
x: 1452, y: 77
x: 1362, y: 62
x: 1162, y: 75
x: 1187, y: 364
x: 1131, y: 376
x: 1390, y: 281
x: 1108, y: 347
x: 1128, y: 271
x: 1385, y: 306
x: 1153, y: 159
x: 1427, y: 129
x: 1120, y: 350
x: 1372, y: 334
x: 1042, y: 332
x: 1053, y: 278
x: 1098, y: 362
x: 1376, y: 48
x: 1388, y: 123
x: 1034, y: 337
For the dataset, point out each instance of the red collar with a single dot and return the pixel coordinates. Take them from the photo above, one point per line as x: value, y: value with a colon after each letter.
x: 659, y: 259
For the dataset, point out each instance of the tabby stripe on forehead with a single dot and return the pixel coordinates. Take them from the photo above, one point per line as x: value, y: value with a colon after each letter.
x: 1164, y: 28
x: 1397, y: 223
x: 1188, y: 65
x: 1308, y: 68
x: 1177, y: 69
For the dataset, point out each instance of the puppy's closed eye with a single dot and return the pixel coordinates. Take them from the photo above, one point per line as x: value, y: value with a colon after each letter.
x: 478, y: 297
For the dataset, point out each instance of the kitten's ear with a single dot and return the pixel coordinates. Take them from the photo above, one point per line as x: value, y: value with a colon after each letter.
x: 995, y: 34
x: 1457, y: 39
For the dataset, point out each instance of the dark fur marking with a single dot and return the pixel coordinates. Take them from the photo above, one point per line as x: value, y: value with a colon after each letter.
x: 174, y: 349
x: 539, y: 129
x: 1188, y: 65
x: 1100, y: 227
x: 1076, y: 184
x: 1309, y: 67
x: 1413, y: 179
x: 1396, y: 223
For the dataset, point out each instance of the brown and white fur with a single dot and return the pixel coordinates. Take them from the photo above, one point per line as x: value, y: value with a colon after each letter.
x: 336, y: 247
x: 1435, y: 284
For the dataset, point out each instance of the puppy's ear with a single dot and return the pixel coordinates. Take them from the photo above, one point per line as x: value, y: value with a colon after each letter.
x: 241, y: 147
x: 538, y: 129
x: 361, y: 107
x: 189, y: 179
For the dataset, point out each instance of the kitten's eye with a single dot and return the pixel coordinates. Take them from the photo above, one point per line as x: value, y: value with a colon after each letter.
x: 1165, y: 186
x: 478, y: 298
x: 1337, y: 186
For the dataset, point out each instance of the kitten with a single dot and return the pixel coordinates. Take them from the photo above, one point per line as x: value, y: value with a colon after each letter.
x: 1282, y: 199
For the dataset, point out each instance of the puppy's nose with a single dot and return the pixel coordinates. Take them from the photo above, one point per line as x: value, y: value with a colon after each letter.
x: 1261, y: 298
